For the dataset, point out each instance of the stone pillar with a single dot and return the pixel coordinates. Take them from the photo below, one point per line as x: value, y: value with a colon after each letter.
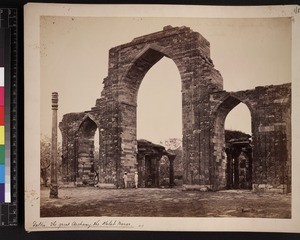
x: 229, y: 168
x: 141, y: 171
x: 236, y: 169
x: 76, y: 174
x: 171, y: 177
x: 157, y: 169
x: 53, y: 184
x: 249, y: 169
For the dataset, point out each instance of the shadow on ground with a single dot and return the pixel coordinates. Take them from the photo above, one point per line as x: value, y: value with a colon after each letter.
x: 152, y: 202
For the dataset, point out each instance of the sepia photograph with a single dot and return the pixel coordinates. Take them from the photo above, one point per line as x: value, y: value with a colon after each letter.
x: 149, y: 118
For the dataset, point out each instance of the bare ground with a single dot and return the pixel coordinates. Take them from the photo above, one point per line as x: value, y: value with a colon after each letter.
x: 150, y: 202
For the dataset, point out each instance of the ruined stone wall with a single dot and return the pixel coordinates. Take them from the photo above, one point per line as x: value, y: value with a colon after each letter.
x: 270, y: 108
x: 128, y: 65
x: 110, y: 143
x: 271, y: 136
x: 77, y: 144
x: 68, y: 126
x: 204, y: 109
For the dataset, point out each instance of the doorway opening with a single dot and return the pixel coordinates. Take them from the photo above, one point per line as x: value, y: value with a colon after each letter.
x: 238, y: 148
x: 159, y: 121
x: 87, y: 148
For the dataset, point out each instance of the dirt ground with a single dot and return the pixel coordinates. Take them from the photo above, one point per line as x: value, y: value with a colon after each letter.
x: 150, y: 202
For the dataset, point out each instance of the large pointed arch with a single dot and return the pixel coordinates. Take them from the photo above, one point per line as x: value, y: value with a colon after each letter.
x: 136, y: 71
x: 204, y: 107
x: 128, y: 64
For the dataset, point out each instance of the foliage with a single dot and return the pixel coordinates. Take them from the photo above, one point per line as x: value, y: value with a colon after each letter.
x: 174, y: 145
x: 45, y: 159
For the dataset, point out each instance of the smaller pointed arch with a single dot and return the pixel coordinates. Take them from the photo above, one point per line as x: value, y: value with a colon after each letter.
x: 229, y: 102
x: 87, y: 127
x: 87, y: 117
x: 220, y: 155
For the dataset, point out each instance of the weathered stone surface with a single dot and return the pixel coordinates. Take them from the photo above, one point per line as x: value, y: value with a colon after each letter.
x: 204, y: 108
x: 270, y: 108
x: 155, y: 165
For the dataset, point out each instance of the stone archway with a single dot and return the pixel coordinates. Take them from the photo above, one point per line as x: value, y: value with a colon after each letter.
x: 128, y: 65
x: 85, y: 162
x: 271, y: 131
x: 204, y: 108
x: 219, y: 158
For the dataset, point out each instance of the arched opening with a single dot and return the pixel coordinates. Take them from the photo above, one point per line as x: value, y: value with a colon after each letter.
x: 238, y: 148
x: 159, y: 103
x: 239, y: 119
x: 232, y: 147
x: 86, y: 164
x: 159, y: 120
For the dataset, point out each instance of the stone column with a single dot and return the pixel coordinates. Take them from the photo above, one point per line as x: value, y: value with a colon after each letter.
x: 141, y: 170
x: 236, y: 169
x: 229, y: 170
x: 249, y: 169
x: 53, y: 184
x: 157, y: 169
x: 171, y: 177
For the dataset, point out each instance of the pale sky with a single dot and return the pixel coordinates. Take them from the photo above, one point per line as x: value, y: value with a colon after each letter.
x: 74, y: 62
